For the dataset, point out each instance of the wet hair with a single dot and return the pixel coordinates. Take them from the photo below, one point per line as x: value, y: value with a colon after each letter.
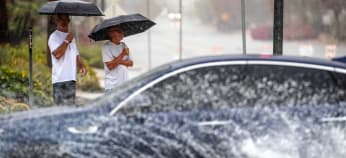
x: 57, y: 17
x: 114, y: 29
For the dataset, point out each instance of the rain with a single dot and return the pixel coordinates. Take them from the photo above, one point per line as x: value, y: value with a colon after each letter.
x: 187, y: 95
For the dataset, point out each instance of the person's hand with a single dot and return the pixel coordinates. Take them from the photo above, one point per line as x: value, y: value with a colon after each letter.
x: 83, y: 71
x: 69, y: 37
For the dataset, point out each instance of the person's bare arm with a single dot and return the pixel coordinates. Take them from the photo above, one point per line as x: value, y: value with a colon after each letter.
x: 128, y: 63
x: 60, y: 51
x: 81, y: 66
x: 116, y: 61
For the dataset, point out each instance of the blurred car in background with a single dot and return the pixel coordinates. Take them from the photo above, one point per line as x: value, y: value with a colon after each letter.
x: 220, y: 106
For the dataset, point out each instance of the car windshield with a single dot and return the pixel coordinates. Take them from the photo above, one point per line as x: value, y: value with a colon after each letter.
x: 255, y: 85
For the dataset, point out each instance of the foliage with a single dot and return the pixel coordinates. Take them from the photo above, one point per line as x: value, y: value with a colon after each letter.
x: 339, y: 10
x: 90, y: 82
x: 337, y: 5
x: 15, y: 85
x: 22, y: 15
x: 9, y: 105
x: 312, y: 12
x: 92, y: 53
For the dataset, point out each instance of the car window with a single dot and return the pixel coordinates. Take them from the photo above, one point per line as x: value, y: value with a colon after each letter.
x: 341, y: 80
x: 291, y: 86
x: 121, y: 91
x: 236, y: 86
x: 209, y: 87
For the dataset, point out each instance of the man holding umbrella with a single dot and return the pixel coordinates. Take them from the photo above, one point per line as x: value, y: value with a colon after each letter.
x: 62, y: 45
x: 116, y: 58
x: 114, y: 52
x: 65, y: 57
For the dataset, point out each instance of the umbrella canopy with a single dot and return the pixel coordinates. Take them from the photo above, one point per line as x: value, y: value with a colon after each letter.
x: 70, y: 7
x: 129, y: 24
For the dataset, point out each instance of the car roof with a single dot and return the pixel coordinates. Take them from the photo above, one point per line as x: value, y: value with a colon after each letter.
x: 293, y: 59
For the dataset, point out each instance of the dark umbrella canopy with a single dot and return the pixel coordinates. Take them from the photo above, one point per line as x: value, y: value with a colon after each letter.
x: 70, y: 7
x: 129, y: 24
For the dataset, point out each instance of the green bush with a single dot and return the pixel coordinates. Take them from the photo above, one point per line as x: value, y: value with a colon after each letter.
x: 93, y: 54
x: 15, y: 85
x: 14, y: 72
x: 89, y: 82
x: 8, y: 105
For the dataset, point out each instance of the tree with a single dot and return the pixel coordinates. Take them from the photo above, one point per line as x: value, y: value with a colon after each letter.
x: 50, y: 29
x: 15, y: 19
x: 23, y: 14
x: 338, y: 7
x: 3, y: 22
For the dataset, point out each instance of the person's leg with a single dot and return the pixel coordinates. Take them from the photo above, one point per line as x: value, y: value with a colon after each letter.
x: 58, y: 93
x: 70, y: 93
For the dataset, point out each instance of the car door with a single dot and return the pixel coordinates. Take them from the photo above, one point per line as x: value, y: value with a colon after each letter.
x: 302, y: 90
x: 307, y: 100
x: 177, y: 116
x: 220, y: 110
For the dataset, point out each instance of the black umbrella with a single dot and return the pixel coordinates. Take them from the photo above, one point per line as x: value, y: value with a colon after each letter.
x: 129, y: 24
x: 70, y: 7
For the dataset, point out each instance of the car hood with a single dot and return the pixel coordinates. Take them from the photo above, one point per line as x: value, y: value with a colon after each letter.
x: 38, y: 113
x: 196, y: 133
x: 45, y: 122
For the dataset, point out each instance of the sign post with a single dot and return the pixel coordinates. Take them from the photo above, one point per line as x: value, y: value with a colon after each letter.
x: 30, y: 68
x: 243, y: 25
x: 278, y: 27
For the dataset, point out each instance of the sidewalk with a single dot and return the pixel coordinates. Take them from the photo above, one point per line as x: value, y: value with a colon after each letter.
x: 83, y: 97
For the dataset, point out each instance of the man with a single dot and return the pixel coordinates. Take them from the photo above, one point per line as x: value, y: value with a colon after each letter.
x: 65, y: 57
x: 116, y: 59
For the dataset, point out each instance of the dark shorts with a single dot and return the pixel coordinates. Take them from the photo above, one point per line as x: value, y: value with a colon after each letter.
x: 64, y: 93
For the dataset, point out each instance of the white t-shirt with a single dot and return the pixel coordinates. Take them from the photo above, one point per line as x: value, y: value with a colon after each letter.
x: 65, y: 68
x: 119, y: 74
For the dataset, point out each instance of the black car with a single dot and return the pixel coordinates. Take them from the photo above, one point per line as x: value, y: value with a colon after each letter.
x: 221, y: 106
